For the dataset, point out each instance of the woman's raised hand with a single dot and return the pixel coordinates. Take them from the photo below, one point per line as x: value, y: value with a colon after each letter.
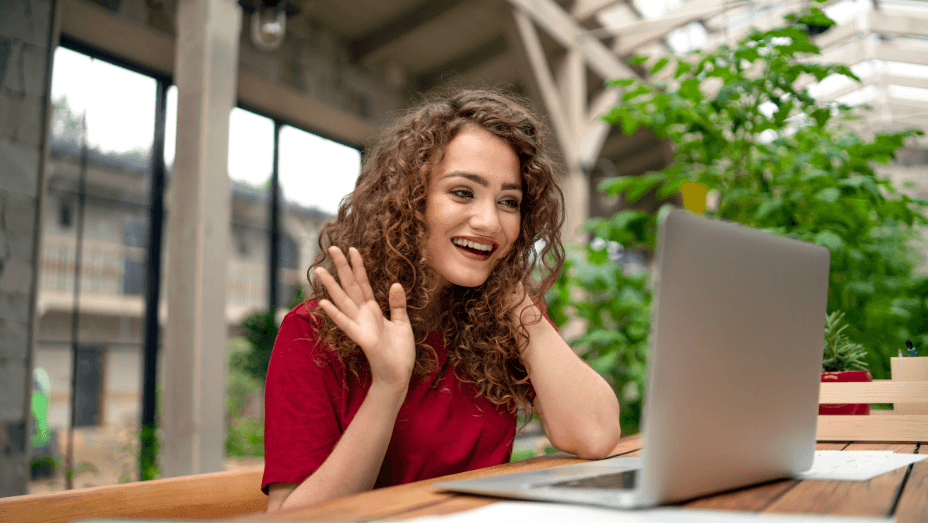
x: 388, y: 344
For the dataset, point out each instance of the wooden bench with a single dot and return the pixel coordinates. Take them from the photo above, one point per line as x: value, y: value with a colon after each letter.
x: 202, y: 496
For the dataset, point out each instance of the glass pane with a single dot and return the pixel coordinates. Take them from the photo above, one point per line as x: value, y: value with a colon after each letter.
x: 170, y: 128
x: 170, y: 142
x: 94, y: 239
x: 251, y: 160
x: 315, y: 174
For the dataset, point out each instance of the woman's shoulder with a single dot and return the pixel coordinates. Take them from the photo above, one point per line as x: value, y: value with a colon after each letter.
x: 299, y: 331
x: 301, y: 319
x: 305, y: 311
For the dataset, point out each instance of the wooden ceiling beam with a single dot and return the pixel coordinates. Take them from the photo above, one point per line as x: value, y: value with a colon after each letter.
x: 910, y: 24
x: 881, y: 80
x: 633, y: 36
x: 481, y: 53
x: 584, y: 10
x: 565, y: 30
x: 399, y: 26
x: 546, y: 84
x: 863, y: 50
x: 576, y: 123
x: 496, y: 72
x: 773, y: 17
x: 619, y: 146
x: 874, y: 22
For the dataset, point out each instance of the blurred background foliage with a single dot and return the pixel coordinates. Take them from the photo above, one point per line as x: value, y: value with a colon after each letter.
x: 248, y: 359
x: 743, y: 124
x: 244, y: 434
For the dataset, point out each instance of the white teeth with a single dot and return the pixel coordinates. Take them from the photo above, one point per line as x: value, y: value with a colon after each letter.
x: 472, y: 245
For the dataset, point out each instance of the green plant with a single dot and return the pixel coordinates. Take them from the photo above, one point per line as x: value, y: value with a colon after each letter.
x: 80, y: 467
x: 248, y: 359
x: 144, y: 446
x: 148, y: 445
x: 615, y: 305
x: 43, y: 465
x: 841, y: 354
x: 742, y: 125
x: 261, y: 332
x: 148, y: 460
x: 244, y: 437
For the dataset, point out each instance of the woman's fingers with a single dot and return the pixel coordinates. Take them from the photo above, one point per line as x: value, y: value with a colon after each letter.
x: 398, y: 304
x: 346, y: 275
x: 340, y: 300
x: 360, y: 274
x: 341, y: 320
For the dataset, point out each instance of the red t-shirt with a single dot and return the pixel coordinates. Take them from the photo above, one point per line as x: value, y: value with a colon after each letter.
x: 308, y: 406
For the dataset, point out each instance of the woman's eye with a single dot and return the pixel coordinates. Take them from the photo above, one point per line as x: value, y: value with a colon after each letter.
x: 462, y: 193
x: 511, y: 203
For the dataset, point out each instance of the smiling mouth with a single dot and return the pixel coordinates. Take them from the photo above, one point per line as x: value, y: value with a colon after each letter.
x: 475, y: 248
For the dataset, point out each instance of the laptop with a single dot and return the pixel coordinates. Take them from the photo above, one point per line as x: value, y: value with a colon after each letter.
x: 733, y: 373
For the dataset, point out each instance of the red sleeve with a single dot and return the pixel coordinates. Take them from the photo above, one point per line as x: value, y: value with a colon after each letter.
x: 302, y: 402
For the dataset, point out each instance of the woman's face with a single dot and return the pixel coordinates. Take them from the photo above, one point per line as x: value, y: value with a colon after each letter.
x: 472, y: 208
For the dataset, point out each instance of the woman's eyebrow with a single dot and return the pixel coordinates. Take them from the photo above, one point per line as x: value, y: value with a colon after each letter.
x: 480, y: 180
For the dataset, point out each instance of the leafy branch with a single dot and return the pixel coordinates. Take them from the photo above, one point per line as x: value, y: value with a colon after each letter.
x: 742, y: 123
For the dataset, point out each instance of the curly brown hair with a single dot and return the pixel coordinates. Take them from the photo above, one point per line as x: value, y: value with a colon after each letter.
x: 384, y: 218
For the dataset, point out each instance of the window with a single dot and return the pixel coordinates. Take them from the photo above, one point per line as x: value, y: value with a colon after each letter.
x: 251, y: 161
x: 315, y: 175
x: 95, y: 237
x: 94, y: 241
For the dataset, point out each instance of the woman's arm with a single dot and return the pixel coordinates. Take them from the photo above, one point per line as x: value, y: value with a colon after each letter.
x: 389, y: 347
x: 355, y: 462
x: 578, y: 409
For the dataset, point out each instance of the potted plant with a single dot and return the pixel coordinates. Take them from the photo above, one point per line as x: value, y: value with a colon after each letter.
x: 843, y: 362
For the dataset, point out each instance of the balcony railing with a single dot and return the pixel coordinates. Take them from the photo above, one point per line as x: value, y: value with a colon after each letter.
x: 104, y: 267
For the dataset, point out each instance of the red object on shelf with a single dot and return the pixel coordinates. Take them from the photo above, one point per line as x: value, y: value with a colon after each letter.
x: 845, y: 408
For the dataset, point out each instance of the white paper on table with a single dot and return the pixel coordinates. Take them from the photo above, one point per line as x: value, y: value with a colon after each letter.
x: 533, y: 512
x: 856, y: 465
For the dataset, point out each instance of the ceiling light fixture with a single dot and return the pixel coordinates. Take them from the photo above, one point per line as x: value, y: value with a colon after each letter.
x: 269, y: 21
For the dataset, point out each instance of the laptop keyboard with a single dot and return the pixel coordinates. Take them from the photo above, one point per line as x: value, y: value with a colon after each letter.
x: 616, y: 480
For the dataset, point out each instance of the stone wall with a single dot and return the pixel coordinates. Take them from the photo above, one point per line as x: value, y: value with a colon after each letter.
x: 25, y: 27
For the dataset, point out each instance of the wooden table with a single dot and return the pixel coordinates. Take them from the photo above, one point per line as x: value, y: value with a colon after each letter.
x: 903, y: 492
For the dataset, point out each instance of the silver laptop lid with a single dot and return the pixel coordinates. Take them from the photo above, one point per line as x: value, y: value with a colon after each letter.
x: 735, y: 361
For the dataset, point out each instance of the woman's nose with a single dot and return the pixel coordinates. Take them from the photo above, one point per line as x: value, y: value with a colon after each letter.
x: 486, y: 217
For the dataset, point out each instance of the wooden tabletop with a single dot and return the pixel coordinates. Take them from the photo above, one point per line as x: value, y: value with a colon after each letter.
x: 902, y: 493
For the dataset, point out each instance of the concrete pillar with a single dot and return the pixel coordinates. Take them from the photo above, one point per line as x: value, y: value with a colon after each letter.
x: 193, y: 393
x: 27, y: 39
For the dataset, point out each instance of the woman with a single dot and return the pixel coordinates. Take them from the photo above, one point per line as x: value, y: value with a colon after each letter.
x: 422, y: 335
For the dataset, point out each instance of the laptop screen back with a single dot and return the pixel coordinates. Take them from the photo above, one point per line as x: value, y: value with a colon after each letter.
x: 735, y: 362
